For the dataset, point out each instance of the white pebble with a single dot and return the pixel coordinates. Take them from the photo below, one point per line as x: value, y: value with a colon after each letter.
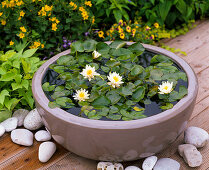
x: 196, y: 136
x: 10, y: 124
x: 20, y: 114
x: 33, y: 120
x: 190, y: 154
x: 118, y: 166
x: 132, y: 168
x: 22, y: 137
x: 2, y: 130
x: 149, y: 163
x: 42, y: 135
x: 104, y: 165
x: 166, y: 164
x: 46, y: 151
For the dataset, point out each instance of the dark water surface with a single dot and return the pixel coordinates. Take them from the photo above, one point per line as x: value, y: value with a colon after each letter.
x: 150, y: 109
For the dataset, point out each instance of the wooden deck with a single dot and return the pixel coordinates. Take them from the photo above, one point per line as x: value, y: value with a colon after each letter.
x: 196, y: 45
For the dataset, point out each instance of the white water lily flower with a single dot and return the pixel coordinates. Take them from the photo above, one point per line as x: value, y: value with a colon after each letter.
x: 96, y: 54
x: 165, y: 88
x: 89, y: 72
x: 81, y: 95
x: 115, y: 79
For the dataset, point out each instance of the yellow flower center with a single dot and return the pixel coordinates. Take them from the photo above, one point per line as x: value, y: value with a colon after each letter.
x: 166, y: 87
x: 116, y: 79
x: 81, y: 95
x: 89, y: 72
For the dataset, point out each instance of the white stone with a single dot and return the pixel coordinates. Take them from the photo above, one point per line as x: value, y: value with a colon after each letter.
x: 10, y: 124
x: 196, y: 136
x: 104, y: 165
x: 22, y: 137
x: 132, y: 168
x: 33, y: 120
x: 166, y: 164
x: 2, y: 130
x: 42, y: 135
x: 118, y: 166
x: 190, y: 154
x: 46, y: 151
x: 149, y: 163
x: 20, y: 114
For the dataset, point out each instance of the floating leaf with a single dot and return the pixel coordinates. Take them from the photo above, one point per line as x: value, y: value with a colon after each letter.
x: 136, y: 70
x: 117, y: 44
x: 167, y: 106
x: 47, y: 87
x: 138, y: 94
x: 102, y: 48
x: 101, y: 101
x: 137, y: 48
x: 113, y: 96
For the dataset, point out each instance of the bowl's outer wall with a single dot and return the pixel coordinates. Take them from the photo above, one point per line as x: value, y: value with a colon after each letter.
x: 116, y: 140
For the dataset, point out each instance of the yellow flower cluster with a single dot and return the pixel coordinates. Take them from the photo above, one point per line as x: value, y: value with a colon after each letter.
x: 1, y: 13
x: 84, y: 13
x: 72, y: 4
x: 44, y: 10
x: 36, y: 44
x: 101, y: 34
x: 12, y: 3
x: 55, y: 21
x: 88, y: 3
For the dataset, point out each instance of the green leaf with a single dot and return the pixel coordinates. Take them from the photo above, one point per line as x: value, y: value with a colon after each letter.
x: 167, y: 106
x: 117, y: 15
x: 3, y: 94
x: 53, y: 105
x: 156, y: 74
x: 11, y: 103
x: 113, y: 109
x: 117, y: 44
x: 152, y: 91
x: 112, y: 63
x: 114, y: 116
x: 77, y: 47
x: 89, y: 45
x: 101, y: 101
x: 136, y: 70
x: 113, y: 96
x: 29, y: 53
x: 164, y: 9
x: 136, y: 48
x: 138, y: 94
x: 5, y: 114
x: 104, y: 111
x: 47, y: 87
x: 105, y: 69
x: 66, y: 60
x: 160, y: 59
x: 120, y: 52
x: 102, y: 48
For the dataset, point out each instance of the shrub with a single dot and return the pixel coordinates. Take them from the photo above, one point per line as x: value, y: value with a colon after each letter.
x: 170, y: 13
x: 16, y: 71
x: 43, y: 23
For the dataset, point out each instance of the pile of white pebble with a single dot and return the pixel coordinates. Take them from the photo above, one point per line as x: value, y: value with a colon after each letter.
x: 23, y: 136
x: 194, y: 138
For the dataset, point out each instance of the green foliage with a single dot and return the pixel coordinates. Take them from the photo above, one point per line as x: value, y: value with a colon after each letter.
x: 140, y: 84
x: 171, y: 13
x: 16, y: 71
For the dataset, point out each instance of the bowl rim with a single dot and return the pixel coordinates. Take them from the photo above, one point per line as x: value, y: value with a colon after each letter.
x: 58, y: 113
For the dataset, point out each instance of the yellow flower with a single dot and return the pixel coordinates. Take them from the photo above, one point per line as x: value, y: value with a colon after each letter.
x: 93, y: 20
x: 11, y: 43
x: 37, y: 44
x: 54, y: 26
x: 156, y: 25
x: 152, y: 37
x: 23, y: 29
x: 21, y: 35
x: 120, y: 22
x: 22, y: 13
x: 19, y: 3
x: 88, y: 3
x: 42, y: 45
x: 101, y: 34
x: 128, y: 29
x: 19, y: 18
x: 120, y: 30
x: 3, y: 22
x: 1, y: 13
x: 122, y: 35
x: 134, y: 31
x: 81, y: 9
x: 111, y: 30
x: 147, y: 28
